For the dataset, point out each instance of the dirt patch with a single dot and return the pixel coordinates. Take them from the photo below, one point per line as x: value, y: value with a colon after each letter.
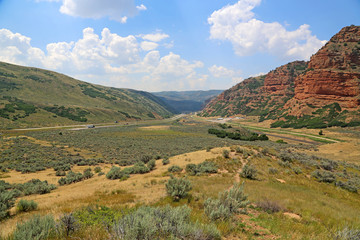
x: 292, y: 215
x: 162, y: 127
x: 280, y: 180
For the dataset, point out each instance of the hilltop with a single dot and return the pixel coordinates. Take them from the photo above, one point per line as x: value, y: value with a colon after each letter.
x: 35, y: 97
x: 322, y: 92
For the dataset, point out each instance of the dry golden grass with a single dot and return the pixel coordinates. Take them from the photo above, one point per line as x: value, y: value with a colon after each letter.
x: 161, y: 127
x: 143, y: 189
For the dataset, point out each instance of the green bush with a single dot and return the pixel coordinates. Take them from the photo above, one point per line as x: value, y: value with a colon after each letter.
x: 26, y: 206
x: 346, y: 234
x: 7, y: 201
x: 140, y: 168
x: 178, y: 188
x: 151, y: 164
x: 273, y: 170
x: 249, y: 171
x: 201, y: 168
x: 351, y: 185
x: 165, y: 161
x: 162, y: 223
x: 35, y: 228
x: 87, y: 173
x: 324, y: 176
x: 226, y: 153
x: 228, y: 203
x: 71, y: 177
x: 175, y: 168
x: 116, y: 173
x: 35, y: 186
x: 97, y: 169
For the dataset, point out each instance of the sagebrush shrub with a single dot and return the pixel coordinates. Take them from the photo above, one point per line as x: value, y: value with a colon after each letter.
x: 228, y: 203
x: 178, y: 188
x: 35, y: 228
x: 7, y: 201
x: 226, y: 153
x: 324, y: 176
x: 151, y: 164
x: 162, y: 223
x: 269, y: 206
x: 175, y: 168
x: 165, y: 161
x: 116, y: 173
x: 249, y: 171
x: 26, y: 206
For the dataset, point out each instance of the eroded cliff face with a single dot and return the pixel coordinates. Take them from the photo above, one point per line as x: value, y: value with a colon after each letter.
x: 281, y: 80
x: 254, y: 95
x: 298, y: 88
x: 333, y: 73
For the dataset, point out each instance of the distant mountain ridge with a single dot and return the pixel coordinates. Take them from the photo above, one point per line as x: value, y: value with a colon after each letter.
x: 187, y: 101
x: 320, y: 93
x: 32, y: 97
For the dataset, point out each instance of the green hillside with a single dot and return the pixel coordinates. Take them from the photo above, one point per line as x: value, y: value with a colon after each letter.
x: 187, y: 101
x: 35, y: 97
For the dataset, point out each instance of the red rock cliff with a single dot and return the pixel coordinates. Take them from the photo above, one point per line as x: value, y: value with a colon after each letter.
x: 333, y: 73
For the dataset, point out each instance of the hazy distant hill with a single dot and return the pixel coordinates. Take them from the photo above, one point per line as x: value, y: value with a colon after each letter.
x: 36, y: 97
x: 187, y: 101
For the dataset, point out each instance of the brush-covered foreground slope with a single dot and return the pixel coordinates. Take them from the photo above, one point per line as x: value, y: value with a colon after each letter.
x: 36, y: 97
x: 187, y: 101
x: 323, y: 92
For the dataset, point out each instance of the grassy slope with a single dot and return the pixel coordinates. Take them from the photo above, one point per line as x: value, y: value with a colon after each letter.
x: 44, y: 88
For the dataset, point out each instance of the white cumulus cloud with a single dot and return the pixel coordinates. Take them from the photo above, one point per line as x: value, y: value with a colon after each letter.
x: 108, y: 59
x: 237, y: 23
x: 148, y: 46
x: 224, y: 73
x: 118, y: 10
x: 155, y: 37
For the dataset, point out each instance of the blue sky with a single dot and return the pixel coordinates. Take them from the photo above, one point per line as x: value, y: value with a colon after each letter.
x: 158, y: 45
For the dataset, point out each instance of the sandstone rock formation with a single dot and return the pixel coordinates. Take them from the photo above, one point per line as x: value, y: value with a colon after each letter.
x: 331, y: 76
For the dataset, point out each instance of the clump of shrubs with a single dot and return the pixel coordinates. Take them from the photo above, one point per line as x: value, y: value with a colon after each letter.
x: 273, y: 170
x: 35, y: 186
x: 116, y: 173
x: 249, y: 171
x: 201, y: 168
x: 165, y: 161
x: 87, y: 173
x: 35, y: 228
x: 151, y: 164
x: 270, y: 206
x: 174, y: 169
x: 71, y: 177
x: 26, y: 206
x: 229, y: 202
x: 162, y: 223
x: 178, y: 188
x: 324, y: 176
x: 7, y: 201
x: 226, y: 153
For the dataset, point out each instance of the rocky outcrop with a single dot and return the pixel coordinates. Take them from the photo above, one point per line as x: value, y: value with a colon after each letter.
x: 333, y: 73
x: 331, y: 76
x: 281, y: 80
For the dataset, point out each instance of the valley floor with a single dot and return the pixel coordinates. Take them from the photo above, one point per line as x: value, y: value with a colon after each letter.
x: 289, y: 197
